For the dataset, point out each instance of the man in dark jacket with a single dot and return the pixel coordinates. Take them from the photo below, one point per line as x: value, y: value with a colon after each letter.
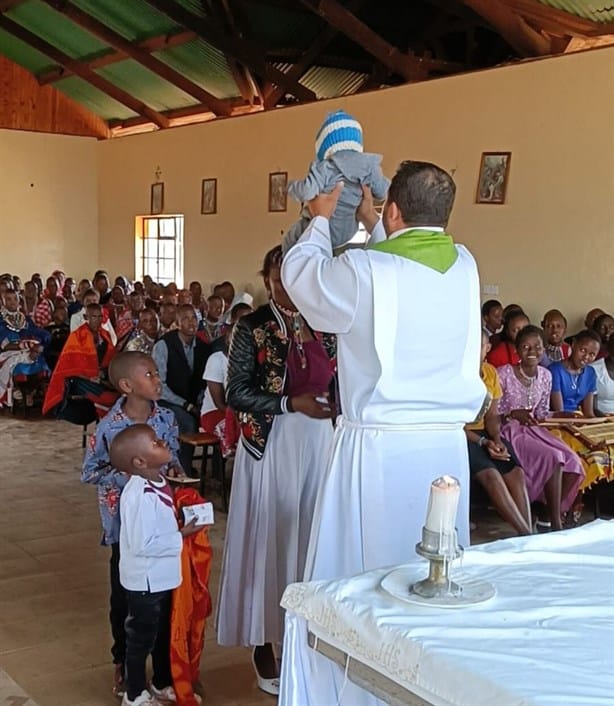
x: 181, y: 358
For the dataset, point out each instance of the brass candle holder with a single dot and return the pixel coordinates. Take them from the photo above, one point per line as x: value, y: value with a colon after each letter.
x: 441, y: 549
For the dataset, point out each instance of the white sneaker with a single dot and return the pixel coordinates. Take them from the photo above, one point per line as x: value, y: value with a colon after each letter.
x: 166, y: 695
x: 145, y: 699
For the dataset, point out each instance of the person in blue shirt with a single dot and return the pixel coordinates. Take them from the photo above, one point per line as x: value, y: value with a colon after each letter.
x: 136, y: 376
x: 574, y: 381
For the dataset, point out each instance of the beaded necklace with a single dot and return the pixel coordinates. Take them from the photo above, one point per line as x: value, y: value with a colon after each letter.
x: 528, y: 383
x: 296, y: 325
x: 14, y: 320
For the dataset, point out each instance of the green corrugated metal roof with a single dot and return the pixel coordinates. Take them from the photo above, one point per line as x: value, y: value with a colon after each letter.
x: 598, y: 11
x: 133, y: 19
x: 55, y: 29
x: 146, y: 86
x: 22, y: 54
x: 97, y: 101
x: 273, y: 25
x: 204, y: 65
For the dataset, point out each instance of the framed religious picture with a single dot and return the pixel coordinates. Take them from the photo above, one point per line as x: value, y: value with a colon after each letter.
x: 208, y: 196
x: 278, y: 191
x: 157, y: 198
x: 492, y: 182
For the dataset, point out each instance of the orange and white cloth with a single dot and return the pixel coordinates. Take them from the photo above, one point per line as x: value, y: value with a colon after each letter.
x: 191, y: 606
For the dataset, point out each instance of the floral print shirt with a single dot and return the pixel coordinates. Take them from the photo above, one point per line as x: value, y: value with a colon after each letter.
x: 97, y: 467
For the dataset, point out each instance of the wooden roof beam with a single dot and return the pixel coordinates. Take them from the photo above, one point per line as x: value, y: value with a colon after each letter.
x: 86, y: 74
x: 98, y: 60
x: 348, y: 24
x: 512, y: 27
x: 308, y: 57
x: 240, y: 49
x: 236, y: 106
x: 247, y: 84
x: 6, y: 5
x: 558, y: 22
x: 164, y: 71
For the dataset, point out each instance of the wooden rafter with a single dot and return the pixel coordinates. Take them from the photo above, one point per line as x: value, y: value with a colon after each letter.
x: 83, y: 72
x: 409, y: 67
x: 346, y: 22
x: 237, y: 106
x: 97, y: 61
x: 558, y: 22
x: 247, y: 84
x: 240, y: 49
x: 6, y: 5
x: 98, y: 29
x: 315, y: 48
x: 512, y: 27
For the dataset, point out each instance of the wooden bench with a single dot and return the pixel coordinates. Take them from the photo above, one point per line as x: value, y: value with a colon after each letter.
x: 210, y: 451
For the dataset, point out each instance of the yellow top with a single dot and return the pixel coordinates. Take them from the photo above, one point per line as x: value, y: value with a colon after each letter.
x: 489, y: 376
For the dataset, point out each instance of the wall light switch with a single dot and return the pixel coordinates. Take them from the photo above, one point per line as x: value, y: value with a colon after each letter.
x: 490, y: 289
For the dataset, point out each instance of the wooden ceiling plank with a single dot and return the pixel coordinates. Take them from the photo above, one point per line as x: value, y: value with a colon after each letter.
x: 240, y: 49
x: 339, y: 17
x: 153, y: 44
x: 512, y: 27
x: 85, y: 73
x: 153, y: 64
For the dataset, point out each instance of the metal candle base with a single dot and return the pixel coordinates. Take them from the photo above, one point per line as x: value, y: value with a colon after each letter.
x: 440, y: 550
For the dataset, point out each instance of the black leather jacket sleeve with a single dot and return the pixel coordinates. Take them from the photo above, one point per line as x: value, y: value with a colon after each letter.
x: 244, y: 392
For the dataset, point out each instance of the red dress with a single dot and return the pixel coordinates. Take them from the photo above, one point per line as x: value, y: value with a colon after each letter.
x: 503, y: 354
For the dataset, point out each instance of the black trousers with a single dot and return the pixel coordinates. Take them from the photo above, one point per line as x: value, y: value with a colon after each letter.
x: 118, y: 609
x: 148, y: 632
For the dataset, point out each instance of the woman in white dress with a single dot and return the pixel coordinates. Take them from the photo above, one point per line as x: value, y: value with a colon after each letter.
x: 279, y: 375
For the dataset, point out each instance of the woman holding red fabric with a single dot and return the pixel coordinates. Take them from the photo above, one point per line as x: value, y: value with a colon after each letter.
x: 279, y: 374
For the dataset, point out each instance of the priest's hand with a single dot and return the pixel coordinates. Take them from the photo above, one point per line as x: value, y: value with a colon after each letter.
x: 366, y: 213
x: 325, y: 204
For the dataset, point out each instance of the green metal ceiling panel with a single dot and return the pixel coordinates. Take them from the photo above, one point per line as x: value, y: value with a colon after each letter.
x: 90, y: 97
x: 133, y: 19
x: 55, y: 29
x: 204, y: 64
x: 146, y: 86
x: 280, y: 27
x: 22, y: 54
x: 194, y: 6
x: 596, y: 10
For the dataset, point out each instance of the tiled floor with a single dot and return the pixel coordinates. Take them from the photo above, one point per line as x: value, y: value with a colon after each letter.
x: 54, y: 633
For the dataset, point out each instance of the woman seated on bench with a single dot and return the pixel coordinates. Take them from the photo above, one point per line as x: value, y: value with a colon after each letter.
x: 492, y: 462
x: 21, y: 348
x: 574, y: 385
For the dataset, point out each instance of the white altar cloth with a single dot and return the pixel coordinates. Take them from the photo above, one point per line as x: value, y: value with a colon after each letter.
x: 545, y: 639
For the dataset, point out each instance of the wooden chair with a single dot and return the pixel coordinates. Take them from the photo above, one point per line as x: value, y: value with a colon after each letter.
x: 209, y: 447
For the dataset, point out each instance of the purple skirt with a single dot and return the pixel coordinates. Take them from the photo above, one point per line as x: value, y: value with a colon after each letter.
x: 539, y: 453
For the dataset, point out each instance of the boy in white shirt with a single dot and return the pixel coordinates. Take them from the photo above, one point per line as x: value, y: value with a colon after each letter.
x: 150, y: 561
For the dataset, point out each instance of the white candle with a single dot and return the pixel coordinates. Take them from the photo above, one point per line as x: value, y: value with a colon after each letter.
x: 443, y: 503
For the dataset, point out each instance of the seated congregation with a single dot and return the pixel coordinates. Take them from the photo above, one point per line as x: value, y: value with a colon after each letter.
x: 139, y: 353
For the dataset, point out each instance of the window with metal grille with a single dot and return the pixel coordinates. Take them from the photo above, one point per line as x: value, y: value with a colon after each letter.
x: 159, y: 249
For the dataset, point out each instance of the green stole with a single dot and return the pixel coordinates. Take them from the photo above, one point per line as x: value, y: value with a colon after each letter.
x: 427, y: 247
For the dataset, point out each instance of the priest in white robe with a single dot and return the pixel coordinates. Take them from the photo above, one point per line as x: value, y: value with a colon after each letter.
x: 407, y: 314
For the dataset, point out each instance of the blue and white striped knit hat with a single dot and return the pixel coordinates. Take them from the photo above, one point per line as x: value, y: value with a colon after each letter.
x: 339, y: 131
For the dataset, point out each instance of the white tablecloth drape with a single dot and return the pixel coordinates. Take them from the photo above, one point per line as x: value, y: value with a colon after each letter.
x: 545, y: 639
